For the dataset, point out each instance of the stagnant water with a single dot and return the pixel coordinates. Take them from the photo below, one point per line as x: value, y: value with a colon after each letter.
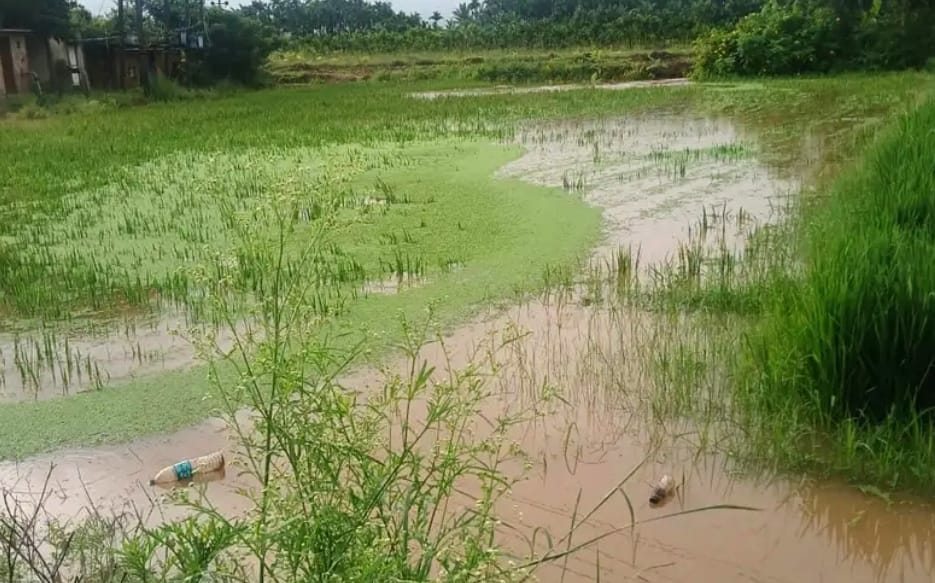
x: 54, y: 363
x: 652, y: 176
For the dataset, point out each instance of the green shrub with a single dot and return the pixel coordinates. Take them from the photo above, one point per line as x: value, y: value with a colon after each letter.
x: 789, y: 37
x: 32, y: 111
x: 163, y: 89
x: 775, y: 41
x: 238, y: 47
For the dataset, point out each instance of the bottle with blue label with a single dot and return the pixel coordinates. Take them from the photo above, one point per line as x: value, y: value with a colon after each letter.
x: 188, y: 469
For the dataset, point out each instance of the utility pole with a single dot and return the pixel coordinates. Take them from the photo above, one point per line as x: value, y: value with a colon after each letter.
x: 141, y: 39
x: 122, y: 31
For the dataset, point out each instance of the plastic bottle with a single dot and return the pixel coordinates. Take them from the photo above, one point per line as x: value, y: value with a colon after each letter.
x: 186, y: 469
x: 662, y: 490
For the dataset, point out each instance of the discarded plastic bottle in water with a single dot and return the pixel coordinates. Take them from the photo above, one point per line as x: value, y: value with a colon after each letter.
x: 187, y: 469
x: 662, y: 489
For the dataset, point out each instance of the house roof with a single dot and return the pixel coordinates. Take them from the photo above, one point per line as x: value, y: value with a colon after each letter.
x: 15, y: 31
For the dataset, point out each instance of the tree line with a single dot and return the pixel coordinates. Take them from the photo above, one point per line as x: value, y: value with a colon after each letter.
x: 731, y: 37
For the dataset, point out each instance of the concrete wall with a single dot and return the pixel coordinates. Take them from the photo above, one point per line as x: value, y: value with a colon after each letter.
x: 20, y: 62
x: 40, y: 63
x: 39, y: 57
x: 16, y: 43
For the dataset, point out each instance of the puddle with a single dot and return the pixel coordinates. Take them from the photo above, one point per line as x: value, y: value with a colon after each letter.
x: 45, y: 365
x: 115, y: 479
x: 652, y: 176
x: 511, y: 90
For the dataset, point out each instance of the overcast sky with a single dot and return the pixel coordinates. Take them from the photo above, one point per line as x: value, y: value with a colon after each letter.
x: 423, y: 7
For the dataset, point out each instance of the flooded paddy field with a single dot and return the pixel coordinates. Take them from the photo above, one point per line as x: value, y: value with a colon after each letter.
x: 569, y: 385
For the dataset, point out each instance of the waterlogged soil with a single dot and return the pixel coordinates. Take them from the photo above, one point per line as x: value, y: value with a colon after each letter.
x: 661, y: 180
x: 51, y: 364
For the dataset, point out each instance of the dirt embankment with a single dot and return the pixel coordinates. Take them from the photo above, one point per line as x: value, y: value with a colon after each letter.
x: 543, y: 68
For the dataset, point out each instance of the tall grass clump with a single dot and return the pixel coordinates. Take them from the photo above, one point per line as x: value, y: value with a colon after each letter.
x: 846, y: 346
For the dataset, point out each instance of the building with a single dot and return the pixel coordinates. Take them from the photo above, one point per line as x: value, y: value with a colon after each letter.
x: 27, y: 57
x: 113, y: 63
x: 112, y: 66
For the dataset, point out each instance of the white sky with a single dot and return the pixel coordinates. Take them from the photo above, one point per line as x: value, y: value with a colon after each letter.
x: 423, y: 7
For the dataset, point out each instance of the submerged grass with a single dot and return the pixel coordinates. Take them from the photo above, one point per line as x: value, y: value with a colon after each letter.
x: 405, y: 482
x: 493, y: 229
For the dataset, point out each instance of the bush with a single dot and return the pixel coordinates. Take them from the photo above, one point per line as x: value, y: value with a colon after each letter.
x: 237, y: 49
x: 163, y: 89
x: 775, y: 41
x: 32, y: 111
x: 814, y: 36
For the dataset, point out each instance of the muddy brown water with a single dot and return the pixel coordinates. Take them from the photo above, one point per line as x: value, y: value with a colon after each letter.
x: 38, y: 366
x: 805, y: 531
x: 602, y: 428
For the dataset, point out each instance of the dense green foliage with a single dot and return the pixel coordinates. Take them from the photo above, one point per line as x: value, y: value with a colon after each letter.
x: 498, y: 23
x: 237, y: 44
x: 808, y: 36
x: 45, y: 16
x: 737, y: 37
x: 238, y: 47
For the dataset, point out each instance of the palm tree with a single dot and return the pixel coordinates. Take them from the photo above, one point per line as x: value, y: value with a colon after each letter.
x: 436, y: 17
x: 462, y: 14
